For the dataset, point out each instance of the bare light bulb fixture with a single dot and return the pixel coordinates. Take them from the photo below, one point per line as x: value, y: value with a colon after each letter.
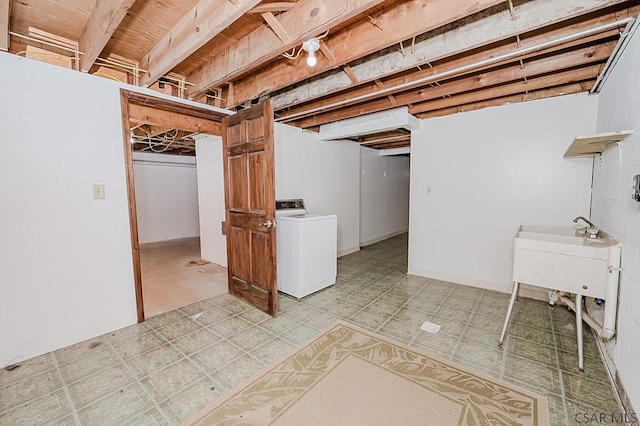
x: 311, y: 46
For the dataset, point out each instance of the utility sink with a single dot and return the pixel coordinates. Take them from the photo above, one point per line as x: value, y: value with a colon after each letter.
x: 563, y: 259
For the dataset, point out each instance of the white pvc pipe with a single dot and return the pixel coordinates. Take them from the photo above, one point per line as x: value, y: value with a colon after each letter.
x: 579, y: 331
x: 615, y: 55
x: 611, y: 299
x: 585, y: 317
x: 459, y: 70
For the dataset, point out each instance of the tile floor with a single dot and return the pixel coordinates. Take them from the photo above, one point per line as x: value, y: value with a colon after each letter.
x: 164, y: 370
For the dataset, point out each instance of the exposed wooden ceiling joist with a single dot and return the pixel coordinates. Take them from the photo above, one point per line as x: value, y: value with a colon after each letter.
x: 390, y: 145
x: 203, y: 22
x: 437, y: 57
x: 103, y: 21
x: 307, y: 19
x: 518, y: 70
x: 480, y: 32
x: 393, y: 25
x: 578, y: 34
x: 538, y: 83
x: 528, y: 95
x: 526, y: 41
x: 516, y: 74
x: 142, y: 114
x: 5, y: 10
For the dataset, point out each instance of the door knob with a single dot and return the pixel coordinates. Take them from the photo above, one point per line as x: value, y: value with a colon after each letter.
x: 267, y: 224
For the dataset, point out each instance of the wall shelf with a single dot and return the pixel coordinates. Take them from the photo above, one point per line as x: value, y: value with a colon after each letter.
x: 585, y: 146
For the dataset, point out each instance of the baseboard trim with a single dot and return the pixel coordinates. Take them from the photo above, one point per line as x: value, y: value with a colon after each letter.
x: 348, y: 251
x: 384, y: 237
x: 457, y: 279
x: 612, y: 372
x: 529, y: 292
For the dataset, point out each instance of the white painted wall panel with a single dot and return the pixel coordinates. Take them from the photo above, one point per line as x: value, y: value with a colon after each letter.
x: 166, y: 197
x: 325, y: 174
x: 65, y: 258
x: 616, y: 213
x: 66, y: 271
x: 489, y: 171
x: 213, y: 244
x: 384, y: 196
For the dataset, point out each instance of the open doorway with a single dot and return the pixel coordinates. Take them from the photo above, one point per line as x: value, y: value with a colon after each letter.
x: 171, y: 262
x: 174, y: 273
x: 384, y: 194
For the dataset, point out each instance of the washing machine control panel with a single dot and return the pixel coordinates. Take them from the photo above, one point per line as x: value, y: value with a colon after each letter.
x: 294, y: 204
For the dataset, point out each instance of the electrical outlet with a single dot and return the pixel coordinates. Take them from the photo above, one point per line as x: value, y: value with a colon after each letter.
x: 428, y: 190
x: 98, y: 192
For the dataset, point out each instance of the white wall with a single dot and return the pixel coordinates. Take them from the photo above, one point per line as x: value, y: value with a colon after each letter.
x: 211, y: 195
x: 384, y: 196
x: 616, y: 213
x: 489, y: 171
x: 66, y: 271
x: 65, y: 258
x: 166, y: 196
x: 325, y: 174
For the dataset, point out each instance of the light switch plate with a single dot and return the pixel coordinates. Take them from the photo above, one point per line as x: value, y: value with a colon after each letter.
x: 98, y: 192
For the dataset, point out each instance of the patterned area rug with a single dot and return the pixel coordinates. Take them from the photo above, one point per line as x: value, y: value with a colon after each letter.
x: 347, y: 375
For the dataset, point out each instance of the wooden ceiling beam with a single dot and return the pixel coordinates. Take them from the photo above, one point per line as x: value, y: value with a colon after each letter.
x: 204, y: 21
x: 566, y: 89
x: 390, y: 139
x: 143, y: 114
x: 102, y: 23
x: 531, y: 85
x: 394, y: 24
x: 390, y: 145
x: 5, y: 12
x: 484, y: 80
x: 308, y: 18
x: 465, y: 60
x: 484, y: 31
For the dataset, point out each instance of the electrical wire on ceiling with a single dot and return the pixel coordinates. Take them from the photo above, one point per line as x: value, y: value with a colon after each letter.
x: 105, y: 75
x: 49, y: 54
x: 295, y: 54
x: 168, y: 139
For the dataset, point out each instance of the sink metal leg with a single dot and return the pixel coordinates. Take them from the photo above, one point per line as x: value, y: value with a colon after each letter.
x: 514, y: 294
x: 579, y: 331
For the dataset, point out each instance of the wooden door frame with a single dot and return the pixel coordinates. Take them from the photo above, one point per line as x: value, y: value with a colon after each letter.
x: 137, y: 108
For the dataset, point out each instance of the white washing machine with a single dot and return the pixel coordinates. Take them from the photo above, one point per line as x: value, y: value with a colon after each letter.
x: 306, y: 249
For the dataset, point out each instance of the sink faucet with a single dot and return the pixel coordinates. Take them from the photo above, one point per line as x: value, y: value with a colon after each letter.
x: 591, y: 231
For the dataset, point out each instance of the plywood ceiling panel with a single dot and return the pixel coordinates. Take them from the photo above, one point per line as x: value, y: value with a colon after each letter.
x: 65, y: 18
x: 146, y: 23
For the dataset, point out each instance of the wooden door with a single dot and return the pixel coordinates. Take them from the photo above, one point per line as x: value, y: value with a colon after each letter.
x: 247, y: 140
